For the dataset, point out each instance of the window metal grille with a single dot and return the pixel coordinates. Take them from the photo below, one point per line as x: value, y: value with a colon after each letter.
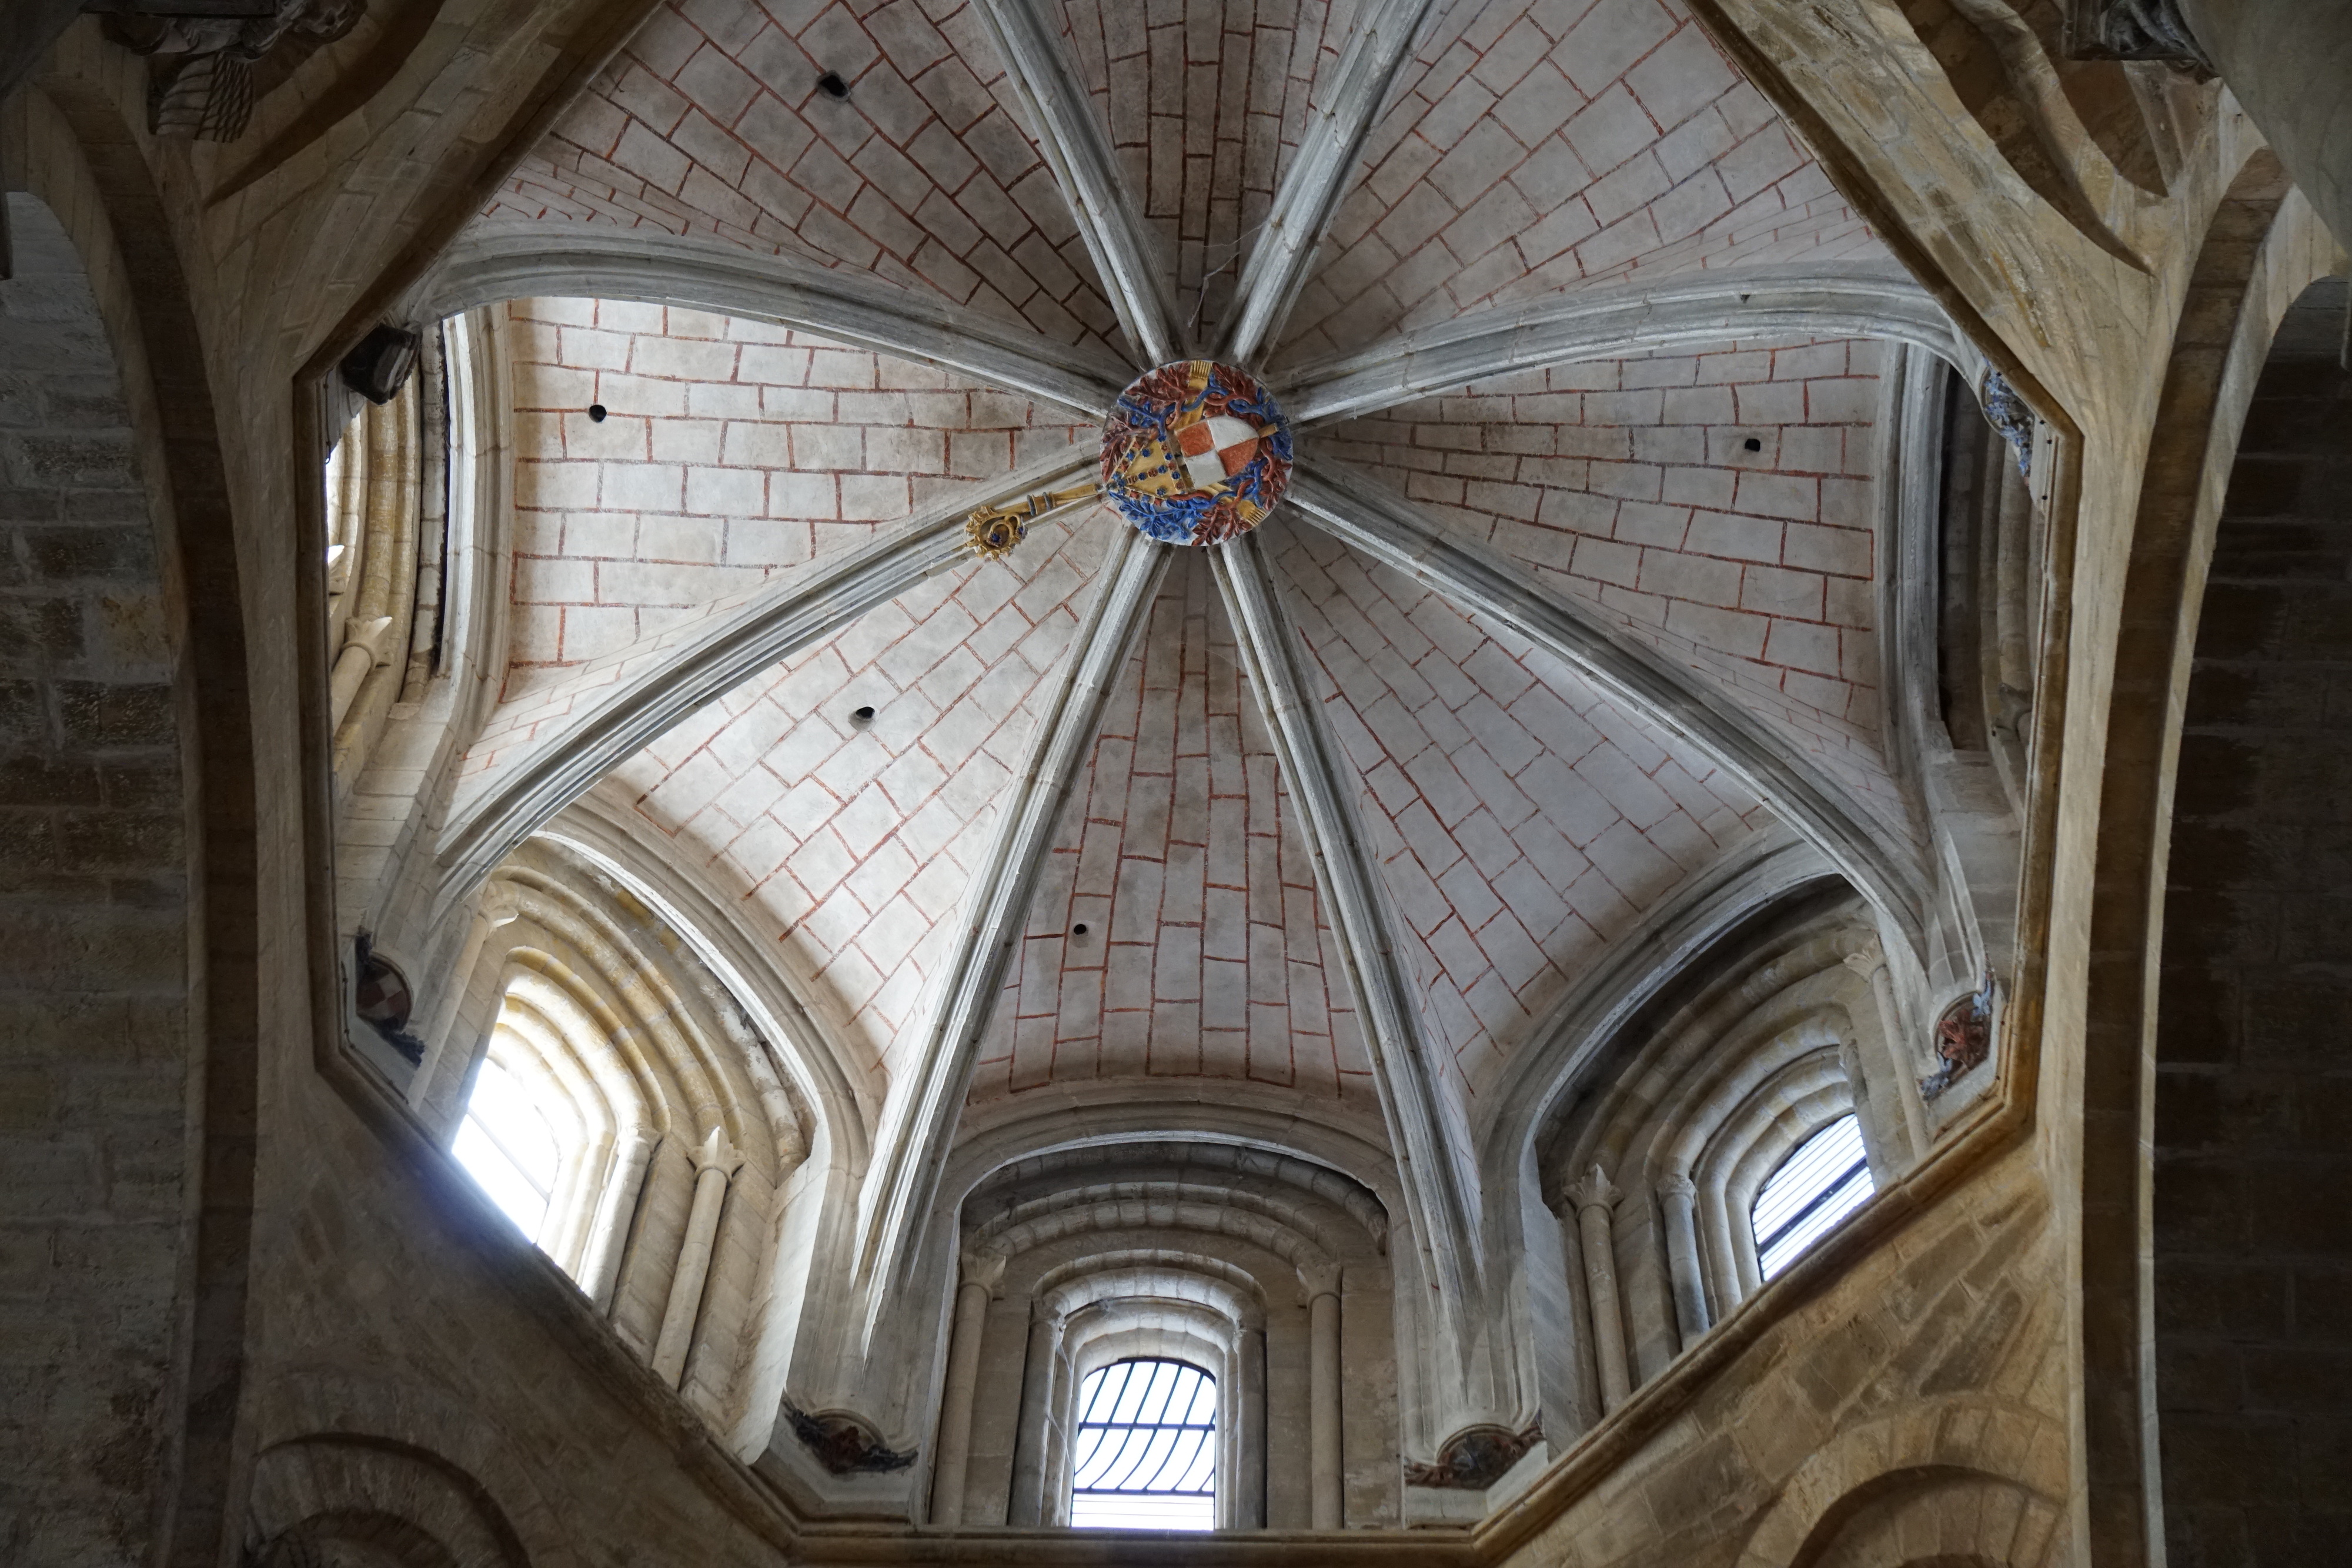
x: 1826, y: 1179
x: 1146, y: 1448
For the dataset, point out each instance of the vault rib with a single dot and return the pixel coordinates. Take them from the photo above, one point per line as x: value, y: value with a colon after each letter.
x: 1607, y: 324
x: 1077, y: 149
x: 1432, y: 1150
x: 494, y: 263
x: 1395, y: 533
x: 570, y: 734
x: 918, y: 1126
x: 1380, y: 42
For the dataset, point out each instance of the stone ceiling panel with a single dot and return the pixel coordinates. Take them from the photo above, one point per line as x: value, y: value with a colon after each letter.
x: 1205, y: 101
x: 1521, y: 822
x: 711, y: 121
x: 856, y: 839
x: 731, y: 451
x: 1541, y: 144
x: 1206, y: 952
x: 1631, y: 484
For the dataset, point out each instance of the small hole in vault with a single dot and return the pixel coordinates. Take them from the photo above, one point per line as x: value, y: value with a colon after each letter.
x: 1754, y: 444
x: 831, y: 86
x: 1079, y: 929
x: 597, y: 411
x: 862, y: 716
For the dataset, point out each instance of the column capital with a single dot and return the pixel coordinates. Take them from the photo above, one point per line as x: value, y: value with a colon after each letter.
x: 716, y: 1153
x: 1594, y: 1190
x: 498, y: 907
x: 1675, y: 1184
x: 1867, y: 959
x: 985, y: 1269
x: 1318, y: 1280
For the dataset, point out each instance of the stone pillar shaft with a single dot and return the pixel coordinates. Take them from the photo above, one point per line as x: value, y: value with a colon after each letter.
x: 1678, y: 1197
x: 954, y: 1442
x: 1326, y: 1508
x: 716, y: 1163
x: 1594, y: 1198
x: 1249, y: 1477
x: 600, y: 1264
x: 1027, y: 1505
x: 2287, y: 61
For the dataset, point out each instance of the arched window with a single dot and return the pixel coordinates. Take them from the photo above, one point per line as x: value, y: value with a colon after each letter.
x: 1146, y: 1455
x: 507, y: 1143
x: 1827, y: 1179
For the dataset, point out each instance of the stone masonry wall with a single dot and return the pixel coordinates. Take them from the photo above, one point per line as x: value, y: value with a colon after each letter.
x: 93, y: 933
x: 2253, y: 1111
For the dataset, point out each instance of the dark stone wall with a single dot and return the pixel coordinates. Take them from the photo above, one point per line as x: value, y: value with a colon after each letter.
x: 2253, y: 1113
x: 94, y: 936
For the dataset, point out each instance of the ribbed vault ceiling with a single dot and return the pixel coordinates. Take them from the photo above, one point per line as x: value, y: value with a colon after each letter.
x: 1327, y: 829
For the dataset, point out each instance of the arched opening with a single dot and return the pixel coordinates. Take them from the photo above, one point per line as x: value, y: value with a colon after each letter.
x: 1825, y: 1179
x: 2254, y: 1083
x: 1144, y: 1455
x: 510, y: 1146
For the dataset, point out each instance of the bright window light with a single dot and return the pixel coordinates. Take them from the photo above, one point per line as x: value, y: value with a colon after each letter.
x: 1826, y: 1179
x: 1147, y: 1449
x: 507, y: 1145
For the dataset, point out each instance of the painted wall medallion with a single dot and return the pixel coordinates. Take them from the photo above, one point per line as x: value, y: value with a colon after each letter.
x: 1195, y: 454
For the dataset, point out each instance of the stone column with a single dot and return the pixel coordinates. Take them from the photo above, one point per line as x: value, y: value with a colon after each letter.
x: 2287, y: 61
x: 1061, y: 1412
x: 600, y: 1261
x: 953, y: 1447
x: 715, y: 1165
x: 1678, y: 1196
x: 1249, y: 1456
x: 1027, y: 1505
x: 1595, y: 1199
x: 1715, y: 1212
x: 1326, y: 1505
x: 1870, y: 961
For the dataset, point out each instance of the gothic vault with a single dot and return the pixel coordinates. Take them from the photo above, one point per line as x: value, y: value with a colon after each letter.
x: 1178, y: 781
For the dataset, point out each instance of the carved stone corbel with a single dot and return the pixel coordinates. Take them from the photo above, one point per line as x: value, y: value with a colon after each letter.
x: 2135, y: 30
x: 204, y: 85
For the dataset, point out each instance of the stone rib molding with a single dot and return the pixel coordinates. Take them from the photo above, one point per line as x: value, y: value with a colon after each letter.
x: 1076, y: 147
x: 1321, y: 172
x: 1440, y: 1191
x: 497, y: 262
x: 1849, y: 302
x: 1396, y: 533
x: 596, y: 720
x: 919, y: 1126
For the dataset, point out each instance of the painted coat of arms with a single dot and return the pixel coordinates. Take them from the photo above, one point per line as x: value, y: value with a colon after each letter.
x: 1195, y: 453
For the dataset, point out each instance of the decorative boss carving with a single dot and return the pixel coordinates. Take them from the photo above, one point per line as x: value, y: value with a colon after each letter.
x: 202, y: 84
x: 1475, y: 1457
